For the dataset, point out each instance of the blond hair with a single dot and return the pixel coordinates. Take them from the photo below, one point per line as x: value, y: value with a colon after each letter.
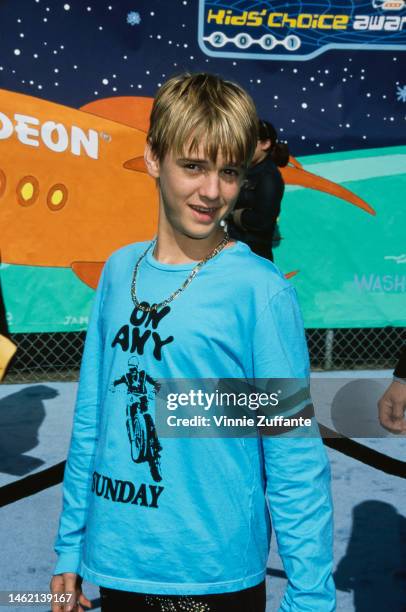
x: 190, y: 109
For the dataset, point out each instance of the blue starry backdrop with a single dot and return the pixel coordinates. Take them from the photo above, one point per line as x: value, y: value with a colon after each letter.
x: 333, y: 82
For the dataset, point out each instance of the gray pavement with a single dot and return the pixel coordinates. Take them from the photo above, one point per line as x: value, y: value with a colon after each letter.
x: 370, y: 527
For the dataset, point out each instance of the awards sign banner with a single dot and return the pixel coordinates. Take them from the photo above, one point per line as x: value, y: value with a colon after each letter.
x: 299, y: 30
x: 77, y: 81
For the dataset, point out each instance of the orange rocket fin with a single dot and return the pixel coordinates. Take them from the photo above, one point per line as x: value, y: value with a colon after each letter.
x: 88, y: 271
x: 136, y: 163
x: 133, y: 111
x: 295, y: 162
x: 291, y: 274
x: 298, y: 176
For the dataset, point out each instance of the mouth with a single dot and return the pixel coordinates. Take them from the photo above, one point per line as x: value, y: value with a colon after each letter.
x: 204, y: 213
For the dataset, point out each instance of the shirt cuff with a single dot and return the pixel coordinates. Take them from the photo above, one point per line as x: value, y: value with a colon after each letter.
x: 68, y: 562
x: 399, y: 380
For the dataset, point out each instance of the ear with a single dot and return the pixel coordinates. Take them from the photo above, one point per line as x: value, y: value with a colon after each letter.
x: 151, y: 161
x: 266, y: 144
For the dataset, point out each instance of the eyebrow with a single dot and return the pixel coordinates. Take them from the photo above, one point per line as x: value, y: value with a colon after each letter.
x: 193, y: 159
x: 196, y: 160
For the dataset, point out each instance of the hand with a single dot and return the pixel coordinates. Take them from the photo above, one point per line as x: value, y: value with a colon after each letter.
x: 392, y: 406
x: 69, y: 583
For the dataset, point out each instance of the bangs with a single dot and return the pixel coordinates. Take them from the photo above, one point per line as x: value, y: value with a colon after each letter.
x: 215, y: 139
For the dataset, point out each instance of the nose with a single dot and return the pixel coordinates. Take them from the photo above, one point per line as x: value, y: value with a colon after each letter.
x: 210, y: 186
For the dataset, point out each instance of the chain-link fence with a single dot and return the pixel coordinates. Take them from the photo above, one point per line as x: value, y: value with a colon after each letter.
x: 57, y: 356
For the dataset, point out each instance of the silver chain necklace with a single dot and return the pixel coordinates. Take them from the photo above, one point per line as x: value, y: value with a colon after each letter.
x: 187, y: 282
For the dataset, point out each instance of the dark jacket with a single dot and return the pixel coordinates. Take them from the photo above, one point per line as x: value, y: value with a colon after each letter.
x: 400, y: 370
x: 262, y: 195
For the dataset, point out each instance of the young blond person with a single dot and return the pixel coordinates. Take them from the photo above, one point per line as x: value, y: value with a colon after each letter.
x: 187, y: 525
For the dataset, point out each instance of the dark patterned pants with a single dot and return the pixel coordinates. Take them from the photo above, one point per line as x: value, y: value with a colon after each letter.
x: 248, y: 600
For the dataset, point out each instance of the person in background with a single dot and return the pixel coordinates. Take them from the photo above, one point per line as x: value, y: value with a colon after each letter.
x: 254, y: 219
x: 392, y: 405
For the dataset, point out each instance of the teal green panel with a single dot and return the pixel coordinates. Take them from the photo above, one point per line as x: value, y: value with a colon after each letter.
x: 40, y: 299
x: 352, y: 266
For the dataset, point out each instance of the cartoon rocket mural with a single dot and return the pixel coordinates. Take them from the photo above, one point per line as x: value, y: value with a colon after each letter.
x: 65, y: 196
x: 73, y: 185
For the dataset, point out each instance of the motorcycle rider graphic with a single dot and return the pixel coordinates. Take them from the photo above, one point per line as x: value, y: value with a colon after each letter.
x: 141, y: 431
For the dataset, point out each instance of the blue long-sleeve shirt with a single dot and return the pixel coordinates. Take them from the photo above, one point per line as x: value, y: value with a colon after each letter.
x: 198, y: 523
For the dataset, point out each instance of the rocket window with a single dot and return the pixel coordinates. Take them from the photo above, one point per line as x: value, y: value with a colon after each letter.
x: 57, y: 196
x: 2, y: 182
x: 27, y: 190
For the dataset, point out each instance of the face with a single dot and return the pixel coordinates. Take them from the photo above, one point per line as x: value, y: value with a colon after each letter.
x: 196, y: 194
